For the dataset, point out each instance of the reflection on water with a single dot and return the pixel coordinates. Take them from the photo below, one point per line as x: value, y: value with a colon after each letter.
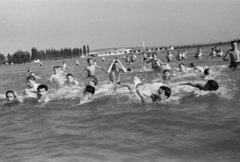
x: 192, y: 126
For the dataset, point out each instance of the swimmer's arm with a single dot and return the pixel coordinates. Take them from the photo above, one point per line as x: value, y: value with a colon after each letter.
x: 101, y: 69
x: 37, y: 77
x: 83, y: 72
x: 122, y: 67
x: 76, y: 82
x: 141, y: 95
x: 110, y: 67
x: 196, y: 85
x: 224, y: 58
x: 51, y: 78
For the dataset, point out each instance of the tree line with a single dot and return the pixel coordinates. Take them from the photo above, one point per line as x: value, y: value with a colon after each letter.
x: 20, y: 57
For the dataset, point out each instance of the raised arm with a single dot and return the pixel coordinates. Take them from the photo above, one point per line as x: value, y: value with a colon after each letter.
x: 98, y: 67
x: 196, y: 85
x: 110, y: 67
x: 122, y: 67
x: 224, y: 58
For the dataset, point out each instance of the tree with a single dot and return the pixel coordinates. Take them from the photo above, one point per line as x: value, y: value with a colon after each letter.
x: 9, y: 58
x: 2, y: 58
x: 84, y: 50
x: 88, y: 50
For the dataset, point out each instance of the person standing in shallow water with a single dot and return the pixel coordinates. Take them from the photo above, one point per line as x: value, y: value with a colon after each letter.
x: 234, y: 55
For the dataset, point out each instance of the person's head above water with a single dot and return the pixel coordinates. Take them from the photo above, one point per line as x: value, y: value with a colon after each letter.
x: 211, y: 85
x: 164, y: 91
x: 207, y: 72
x: 10, y: 95
x: 90, y: 61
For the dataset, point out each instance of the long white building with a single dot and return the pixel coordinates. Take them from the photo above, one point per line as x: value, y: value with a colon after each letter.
x: 119, y: 51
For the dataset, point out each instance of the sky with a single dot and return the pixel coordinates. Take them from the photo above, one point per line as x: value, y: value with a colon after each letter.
x: 100, y: 24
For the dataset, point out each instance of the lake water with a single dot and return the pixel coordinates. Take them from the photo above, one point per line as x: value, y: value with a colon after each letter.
x: 193, y: 126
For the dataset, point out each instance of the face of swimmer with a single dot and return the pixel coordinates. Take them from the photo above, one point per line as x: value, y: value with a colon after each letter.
x: 166, y: 74
x: 10, y: 96
x: 70, y: 78
x: 182, y: 67
x: 42, y: 92
x: 161, y: 93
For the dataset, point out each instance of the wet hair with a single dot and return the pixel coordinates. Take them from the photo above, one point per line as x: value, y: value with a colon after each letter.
x: 206, y: 71
x: 89, y: 59
x: 94, y: 80
x: 55, y: 67
x: 213, y: 85
x: 232, y: 42
x: 167, y: 91
x: 42, y: 86
x: 191, y: 65
x: 128, y: 69
x: 10, y: 91
x: 181, y: 64
x: 31, y: 78
x: 69, y: 74
x: 166, y: 70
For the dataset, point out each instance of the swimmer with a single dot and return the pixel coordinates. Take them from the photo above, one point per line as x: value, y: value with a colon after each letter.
x: 179, y: 56
x: 76, y: 62
x: 114, y: 71
x: 184, y: 54
x: 71, y: 81
x: 163, y: 93
x: 40, y: 64
x: 156, y: 63
x: 145, y: 57
x: 170, y: 57
x: 210, y: 85
x: 42, y: 96
x: 89, y: 91
x: 185, y: 69
x: 213, y: 53
x: 166, y: 75
x: 57, y: 77
x: 32, y: 74
x: 12, y: 96
x: 64, y: 66
x: 103, y: 59
x: 31, y: 91
x: 199, y: 53
x: 234, y: 55
x: 91, y: 69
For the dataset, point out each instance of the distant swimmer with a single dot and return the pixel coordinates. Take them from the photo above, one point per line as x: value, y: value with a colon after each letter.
x: 33, y: 74
x: 42, y: 96
x: 76, y: 62
x: 213, y: 53
x: 170, y: 57
x: 91, y: 69
x: 71, y: 81
x: 57, y: 77
x: 157, y: 65
x: 114, y: 71
x: 162, y: 94
x: 64, y: 66
x: 41, y: 63
x: 234, y: 55
x: 199, y: 53
x: 210, y: 85
x: 145, y: 57
x: 89, y: 90
x: 103, y: 59
x: 31, y: 90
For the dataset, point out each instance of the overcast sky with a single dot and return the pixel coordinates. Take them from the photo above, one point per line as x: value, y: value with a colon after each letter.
x: 115, y: 23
